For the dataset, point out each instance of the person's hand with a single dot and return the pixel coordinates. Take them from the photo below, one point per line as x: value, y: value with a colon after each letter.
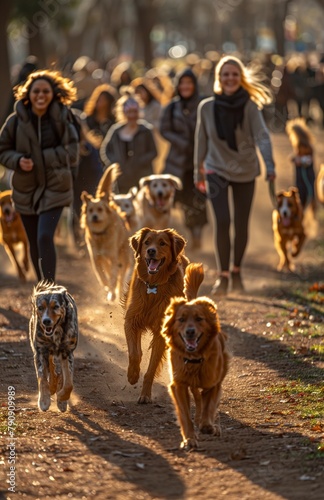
x: 26, y: 164
x: 201, y: 186
x: 271, y: 177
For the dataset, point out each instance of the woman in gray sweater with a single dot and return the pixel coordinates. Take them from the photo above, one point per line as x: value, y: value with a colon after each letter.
x: 230, y: 126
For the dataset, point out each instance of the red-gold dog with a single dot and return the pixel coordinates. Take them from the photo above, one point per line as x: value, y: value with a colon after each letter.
x: 287, y: 225
x: 12, y: 233
x: 198, y: 359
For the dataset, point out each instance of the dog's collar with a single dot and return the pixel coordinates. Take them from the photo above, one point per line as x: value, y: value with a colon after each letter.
x: 151, y: 289
x: 193, y: 360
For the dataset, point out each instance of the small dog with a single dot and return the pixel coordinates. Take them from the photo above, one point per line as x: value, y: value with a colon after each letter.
x: 12, y: 233
x: 287, y: 225
x: 106, y: 235
x: 198, y: 360
x: 53, y: 334
x: 158, y: 275
x: 302, y: 141
x: 155, y: 200
x: 126, y: 205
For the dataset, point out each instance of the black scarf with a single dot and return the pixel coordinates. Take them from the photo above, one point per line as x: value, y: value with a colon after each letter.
x: 229, y: 114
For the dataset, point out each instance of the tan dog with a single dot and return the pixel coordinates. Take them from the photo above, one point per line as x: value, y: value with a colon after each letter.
x: 155, y: 199
x: 106, y: 236
x: 12, y: 233
x: 198, y: 360
x: 158, y: 276
x: 287, y: 225
x: 126, y: 205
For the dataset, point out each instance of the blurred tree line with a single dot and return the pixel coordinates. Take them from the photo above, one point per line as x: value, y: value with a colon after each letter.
x: 59, y: 31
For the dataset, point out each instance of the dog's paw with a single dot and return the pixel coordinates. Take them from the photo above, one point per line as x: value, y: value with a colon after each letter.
x: 189, y: 444
x: 64, y: 393
x: 209, y: 429
x: 133, y: 375
x: 144, y: 399
x: 111, y: 297
x: 62, y: 405
x: 44, y: 402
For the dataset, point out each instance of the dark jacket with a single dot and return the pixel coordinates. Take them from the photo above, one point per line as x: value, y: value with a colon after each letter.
x: 134, y: 157
x: 49, y: 184
x: 177, y: 126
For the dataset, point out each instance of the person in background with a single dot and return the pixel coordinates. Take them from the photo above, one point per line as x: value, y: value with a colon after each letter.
x: 230, y: 126
x: 177, y: 126
x: 95, y: 121
x: 130, y: 143
x: 40, y: 144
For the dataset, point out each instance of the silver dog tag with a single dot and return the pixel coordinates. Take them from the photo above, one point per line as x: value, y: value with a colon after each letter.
x: 152, y: 289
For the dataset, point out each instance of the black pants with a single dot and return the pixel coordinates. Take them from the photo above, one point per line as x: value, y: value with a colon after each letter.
x: 40, y: 231
x: 243, y: 192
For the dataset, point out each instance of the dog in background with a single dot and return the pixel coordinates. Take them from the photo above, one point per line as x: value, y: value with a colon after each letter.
x: 12, y: 234
x: 126, y: 205
x: 287, y: 225
x: 53, y: 334
x: 106, y: 235
x: 198, y: 360
x: 302, y: 142
x: 155, y: 199
x: 158, y: 275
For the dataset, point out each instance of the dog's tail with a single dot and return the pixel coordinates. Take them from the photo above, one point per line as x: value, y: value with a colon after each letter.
x: 194, y: 276
x: 107, y: 180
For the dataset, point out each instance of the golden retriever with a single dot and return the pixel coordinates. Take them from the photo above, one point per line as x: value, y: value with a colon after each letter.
x: 198, y: 359
x: 155, y: 199
x: 106, y: 236
x: 158, y: 275
x: 12, y: 234
x: 287, y: 225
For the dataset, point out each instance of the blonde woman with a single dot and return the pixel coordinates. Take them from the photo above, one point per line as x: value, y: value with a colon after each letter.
x: 230, y: 128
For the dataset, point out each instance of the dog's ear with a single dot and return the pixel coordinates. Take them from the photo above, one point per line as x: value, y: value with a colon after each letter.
x: 137, y: 239
x: 144, y: 181
x: 133, y: 192
x: 211, y: 307
x: 169, y: 317
x: 178, y: 242
x: 85, y: 196
x: 176, y: 182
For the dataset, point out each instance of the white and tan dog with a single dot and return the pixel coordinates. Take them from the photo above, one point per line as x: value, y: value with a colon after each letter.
x: 126, y: 205
x: 155, y: 199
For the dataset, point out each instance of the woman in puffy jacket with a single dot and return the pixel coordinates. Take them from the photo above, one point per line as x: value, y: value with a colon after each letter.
x: 40, y: 143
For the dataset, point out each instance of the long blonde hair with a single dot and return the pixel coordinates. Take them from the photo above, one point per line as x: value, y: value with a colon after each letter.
x: 251, y: 81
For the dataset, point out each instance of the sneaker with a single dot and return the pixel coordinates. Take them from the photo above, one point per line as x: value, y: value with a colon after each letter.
x: 221, y: 286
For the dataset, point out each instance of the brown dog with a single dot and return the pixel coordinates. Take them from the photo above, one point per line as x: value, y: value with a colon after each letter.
x: 158, y: 276
x: 287, y: 225
x: 12, y: 233
x: 198, y: 360
x: 106, y: 236
x: 155, y: 199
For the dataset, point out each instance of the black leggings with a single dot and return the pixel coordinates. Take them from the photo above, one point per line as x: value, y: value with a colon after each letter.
x: 243, y: 192
x: 40, y: 231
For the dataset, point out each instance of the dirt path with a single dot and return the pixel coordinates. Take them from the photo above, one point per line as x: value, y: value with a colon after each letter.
x: 108, y: 447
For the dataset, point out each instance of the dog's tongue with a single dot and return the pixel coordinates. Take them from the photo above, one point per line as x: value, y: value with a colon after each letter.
x: 153, y: 265
x: 285, y: 221
x: 9, y: 217
x: 191, y: 345
x: 160, y: 202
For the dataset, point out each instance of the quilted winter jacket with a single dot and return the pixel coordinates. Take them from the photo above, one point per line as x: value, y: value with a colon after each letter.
x: 49, y: 184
